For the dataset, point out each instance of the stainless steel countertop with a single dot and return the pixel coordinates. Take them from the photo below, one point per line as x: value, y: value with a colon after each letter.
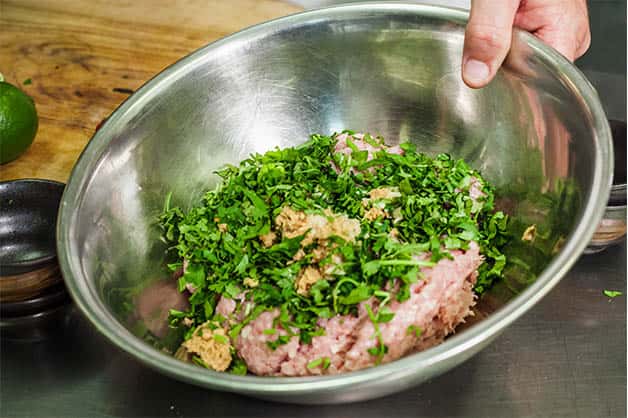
x: 565, y: 358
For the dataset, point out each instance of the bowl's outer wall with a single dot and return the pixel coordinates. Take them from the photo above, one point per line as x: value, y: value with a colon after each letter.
x: 390, y: 70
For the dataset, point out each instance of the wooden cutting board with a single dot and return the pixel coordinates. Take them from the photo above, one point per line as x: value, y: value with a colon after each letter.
x: 85, y: 57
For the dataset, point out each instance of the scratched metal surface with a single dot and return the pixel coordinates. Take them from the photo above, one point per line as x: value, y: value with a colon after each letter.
x: 565, y: 358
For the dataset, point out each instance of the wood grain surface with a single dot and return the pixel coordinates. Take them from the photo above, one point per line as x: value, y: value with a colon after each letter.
x: 85, y: 57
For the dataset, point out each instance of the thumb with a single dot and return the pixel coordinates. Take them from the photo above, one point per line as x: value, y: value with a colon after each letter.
x: 487, y: 39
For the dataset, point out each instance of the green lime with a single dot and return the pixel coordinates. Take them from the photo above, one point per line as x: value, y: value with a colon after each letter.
x: 18, y: 122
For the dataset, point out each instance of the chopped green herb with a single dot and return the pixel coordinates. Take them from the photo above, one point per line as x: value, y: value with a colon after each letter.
x: 281, y: 340
x: 314, y: 363
x: 380, y: 350
x: 413, y: 329
x: 232, y: 236
x: 27, y: 81
x: 238, y: 367
x: 324, y: 362
x: 200, y: 362
x: 221, y: 339
x: 384, y: 315
x: 612, y: 293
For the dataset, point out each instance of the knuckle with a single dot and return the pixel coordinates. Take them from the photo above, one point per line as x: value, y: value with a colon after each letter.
x: 587, y: 41
x: 583, y: 39
x: 488, y: 37
x: 584, y: 45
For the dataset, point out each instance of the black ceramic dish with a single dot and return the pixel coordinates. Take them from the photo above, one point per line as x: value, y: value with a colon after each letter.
x: 612, y: 229
x: 28, y: 217
x: 53, y: 297
x: 48, y: 324
x: 618, y: 191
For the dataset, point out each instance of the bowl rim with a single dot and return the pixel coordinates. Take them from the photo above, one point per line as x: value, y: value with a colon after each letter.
x: 26, y: 266
x: 104, y: 321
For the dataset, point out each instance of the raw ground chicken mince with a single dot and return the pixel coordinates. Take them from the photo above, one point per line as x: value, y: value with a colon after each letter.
x: 336, y: 255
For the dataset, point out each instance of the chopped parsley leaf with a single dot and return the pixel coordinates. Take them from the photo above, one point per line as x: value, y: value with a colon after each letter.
x: 612, y: 293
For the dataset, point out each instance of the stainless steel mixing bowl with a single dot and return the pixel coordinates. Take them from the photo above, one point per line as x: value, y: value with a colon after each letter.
x: 538, y: 132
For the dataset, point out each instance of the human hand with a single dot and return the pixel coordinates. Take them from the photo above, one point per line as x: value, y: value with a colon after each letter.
x: 563, y: 24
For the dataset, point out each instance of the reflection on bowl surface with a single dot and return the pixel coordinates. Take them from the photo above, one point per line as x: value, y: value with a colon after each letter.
x: 537, y: 133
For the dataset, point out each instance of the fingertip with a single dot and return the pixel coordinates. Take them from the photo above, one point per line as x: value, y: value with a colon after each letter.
x: 475, y: 73
x: 487, y: 39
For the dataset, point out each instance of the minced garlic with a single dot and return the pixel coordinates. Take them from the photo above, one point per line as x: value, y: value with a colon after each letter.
x: 306, y: 278
x: 384, y: 193
x: 251, y: 282
x: 529, y: 234
x: 212, y: 346
x: 268, y: 239
x: 317, y: 230
x: 316, y: 227
x: 374, y: 213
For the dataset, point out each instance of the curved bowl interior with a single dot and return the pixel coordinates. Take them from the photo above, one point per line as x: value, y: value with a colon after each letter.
x: 537, y: 132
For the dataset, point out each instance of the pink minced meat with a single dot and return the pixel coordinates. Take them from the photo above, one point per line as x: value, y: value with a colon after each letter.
x: 357, y: 139
x: 439, y: 301
x: 251, y: 345
x: 475, y: 189
x: 225, y: 306
x: 153, y: 302
x: 343, y: 148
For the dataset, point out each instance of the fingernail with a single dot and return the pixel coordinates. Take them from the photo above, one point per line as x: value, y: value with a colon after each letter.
x: 476, y: 72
